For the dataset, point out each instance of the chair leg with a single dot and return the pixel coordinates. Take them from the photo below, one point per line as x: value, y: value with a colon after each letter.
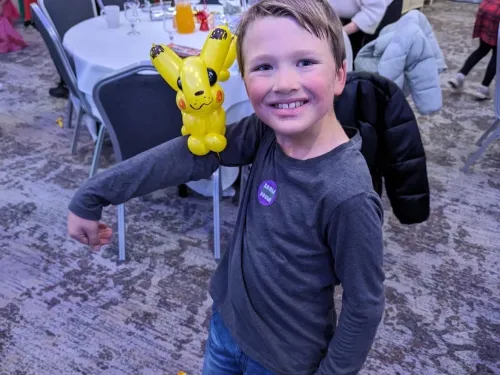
x: 245, y: 170
x: 69, y: 113
x: 182, y: 190
x: 121, y: 232
x: 476, y: 155
x: 79, y: 118
x: 97, y: 150
x: 487, y: 132
x: 216, y: 207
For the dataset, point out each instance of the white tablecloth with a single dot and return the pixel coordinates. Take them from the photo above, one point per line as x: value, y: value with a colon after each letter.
x: 98, y: 50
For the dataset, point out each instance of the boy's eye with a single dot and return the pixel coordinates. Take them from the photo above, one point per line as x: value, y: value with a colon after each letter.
x: 305, y: 63
x: 262, y: 67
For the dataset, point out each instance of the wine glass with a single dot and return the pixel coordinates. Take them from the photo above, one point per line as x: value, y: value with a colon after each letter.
x: 169, y: 28
x: 166, y: 5
x: 132, y: 15
x: 138, y: 5
x: 194, y: 4
x: 223, y: 17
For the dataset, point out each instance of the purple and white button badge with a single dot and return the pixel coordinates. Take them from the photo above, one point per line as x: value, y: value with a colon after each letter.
x: 267, y: 192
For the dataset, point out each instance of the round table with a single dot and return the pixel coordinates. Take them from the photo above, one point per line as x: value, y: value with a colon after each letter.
x: 98, y: 50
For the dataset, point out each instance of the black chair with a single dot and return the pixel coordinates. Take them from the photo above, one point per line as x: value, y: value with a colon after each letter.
x: 63, y: 15
x: 53, y: 42
x: 136, y: 104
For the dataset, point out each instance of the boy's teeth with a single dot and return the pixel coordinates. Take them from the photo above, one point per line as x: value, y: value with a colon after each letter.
x: 289, y: 105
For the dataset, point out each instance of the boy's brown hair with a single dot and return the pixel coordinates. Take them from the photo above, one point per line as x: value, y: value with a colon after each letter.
x: 316, y: 16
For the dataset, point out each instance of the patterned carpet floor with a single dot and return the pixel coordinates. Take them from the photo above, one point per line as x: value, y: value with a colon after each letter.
x: 64, y: 310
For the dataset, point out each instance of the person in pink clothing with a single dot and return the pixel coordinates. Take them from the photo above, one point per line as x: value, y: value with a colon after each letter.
x: 10, y: 39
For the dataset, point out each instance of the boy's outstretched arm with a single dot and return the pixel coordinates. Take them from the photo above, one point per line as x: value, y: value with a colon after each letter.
x: 168, y: 164
x: 355, y: 237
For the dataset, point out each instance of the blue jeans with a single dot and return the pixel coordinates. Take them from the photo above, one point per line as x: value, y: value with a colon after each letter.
x: 224, y: 357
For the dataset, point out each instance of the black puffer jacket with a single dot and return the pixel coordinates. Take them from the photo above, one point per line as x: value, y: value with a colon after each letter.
x: 391, y: 142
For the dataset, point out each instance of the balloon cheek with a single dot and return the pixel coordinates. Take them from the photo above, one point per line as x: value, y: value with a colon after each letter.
x: 182, y: 104
x: 219, y: 97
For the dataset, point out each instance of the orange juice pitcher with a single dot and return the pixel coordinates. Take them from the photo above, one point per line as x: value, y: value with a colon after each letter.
x: 184, y: 17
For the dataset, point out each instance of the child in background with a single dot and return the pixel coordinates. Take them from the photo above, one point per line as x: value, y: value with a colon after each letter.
x: 10, y: 40
x: 309, y: 218
x: 486, y: 29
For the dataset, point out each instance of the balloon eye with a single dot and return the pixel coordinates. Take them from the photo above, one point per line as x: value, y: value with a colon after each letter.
x: 179, y: 83
x: 212, y: 76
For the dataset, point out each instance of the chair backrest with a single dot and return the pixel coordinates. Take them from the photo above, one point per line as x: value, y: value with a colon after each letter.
x: 64, y: 14
x: 138, y: 109
x: 239, y: 111
x: 56, y: 50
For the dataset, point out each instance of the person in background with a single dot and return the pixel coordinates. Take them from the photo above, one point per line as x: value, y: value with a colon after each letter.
x: 60, y: 91
x: 486, y: 29
x: 10, y: 39
x: 392, y: 14
x: 363, y: 19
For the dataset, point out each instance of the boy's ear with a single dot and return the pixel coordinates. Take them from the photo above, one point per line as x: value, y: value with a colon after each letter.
x: 340, y: 78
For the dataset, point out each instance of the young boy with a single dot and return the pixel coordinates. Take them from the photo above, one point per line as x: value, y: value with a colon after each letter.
x: 309, y: 219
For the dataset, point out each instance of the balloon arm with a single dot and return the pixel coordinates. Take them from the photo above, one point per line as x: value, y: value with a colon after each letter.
x: 145, y: 173
x: 224, y: 75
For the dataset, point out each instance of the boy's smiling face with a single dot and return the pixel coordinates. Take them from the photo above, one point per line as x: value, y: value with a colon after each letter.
x: 290, y: 76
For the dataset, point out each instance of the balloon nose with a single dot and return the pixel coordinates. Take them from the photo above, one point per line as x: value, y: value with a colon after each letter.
x: 198, y: 93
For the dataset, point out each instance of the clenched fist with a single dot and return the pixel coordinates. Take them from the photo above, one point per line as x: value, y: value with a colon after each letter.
x: 89, y: 232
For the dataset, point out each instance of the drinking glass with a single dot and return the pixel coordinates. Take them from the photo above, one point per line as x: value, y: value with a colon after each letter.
x: 166, y: 5
x: 223, y: 16
x: 138, y: 4
x: 184, y: 17
x: 194, y: 4
x: 169, y: 28
x: 132, y: 15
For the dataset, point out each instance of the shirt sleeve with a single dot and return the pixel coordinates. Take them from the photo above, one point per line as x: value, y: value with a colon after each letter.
x: 168, y: 164
x: 370, y: 15
x: 355, y: 237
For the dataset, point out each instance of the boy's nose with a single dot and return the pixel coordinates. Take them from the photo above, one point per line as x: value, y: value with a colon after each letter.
x: 286, y: 81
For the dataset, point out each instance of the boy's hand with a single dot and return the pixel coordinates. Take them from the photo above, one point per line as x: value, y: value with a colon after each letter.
x: 89, y: 232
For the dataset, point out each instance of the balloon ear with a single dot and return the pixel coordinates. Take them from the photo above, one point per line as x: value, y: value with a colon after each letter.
x: 216, y: 47
x: 167, y: 63
x: 228, y: 62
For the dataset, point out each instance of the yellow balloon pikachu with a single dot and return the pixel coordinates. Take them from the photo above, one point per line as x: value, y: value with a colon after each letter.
x: 199, y: 96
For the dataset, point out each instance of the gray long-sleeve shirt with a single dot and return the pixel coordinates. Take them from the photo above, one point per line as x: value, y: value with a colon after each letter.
x: 304, y: 226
